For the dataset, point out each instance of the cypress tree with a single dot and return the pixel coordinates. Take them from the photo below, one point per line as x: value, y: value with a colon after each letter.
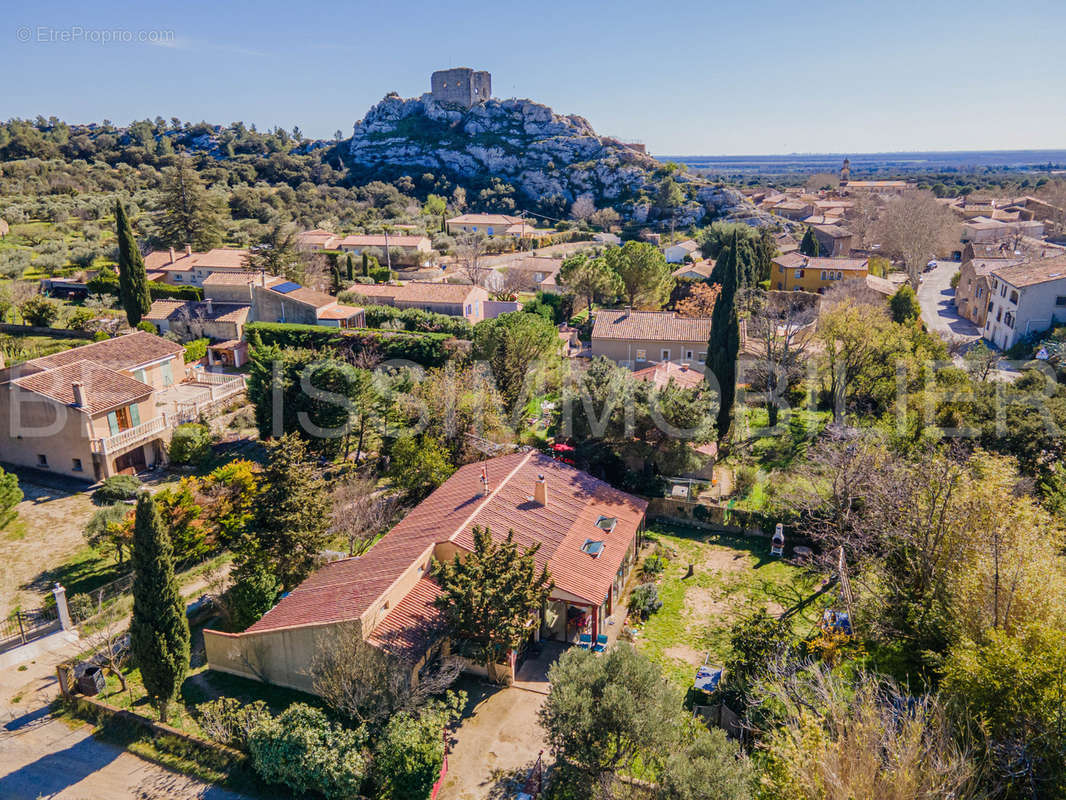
x: 159, y: 631
x: 809, y: 245
x: 724, y: 343
x: 350, y: 265
x: 366, y: 265
x: 132, y: 279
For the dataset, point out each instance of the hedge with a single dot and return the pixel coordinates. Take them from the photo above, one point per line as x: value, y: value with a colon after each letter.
x: 108, y: 284
x: 415, y: 319
x: 427, y: 349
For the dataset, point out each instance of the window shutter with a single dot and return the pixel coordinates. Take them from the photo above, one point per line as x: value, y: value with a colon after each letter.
x: 135, y: 414
x: 112, y: 422
x: 168, y: 374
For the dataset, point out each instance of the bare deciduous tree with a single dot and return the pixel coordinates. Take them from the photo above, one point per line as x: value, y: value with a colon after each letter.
x: 469, y: 249
x: 780, y: 325
x: 360, y: 512
x: 583, y: 207
x: 914, y: 227
x: 368, y: 684
x: 109, y: 641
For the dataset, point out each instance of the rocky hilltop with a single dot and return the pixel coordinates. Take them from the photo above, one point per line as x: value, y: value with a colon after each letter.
x: 549, y: 159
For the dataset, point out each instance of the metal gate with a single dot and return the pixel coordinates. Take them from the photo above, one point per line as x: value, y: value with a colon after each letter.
x: 25, y: 626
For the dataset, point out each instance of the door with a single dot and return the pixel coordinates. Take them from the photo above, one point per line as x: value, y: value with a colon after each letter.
x: 131, y: 462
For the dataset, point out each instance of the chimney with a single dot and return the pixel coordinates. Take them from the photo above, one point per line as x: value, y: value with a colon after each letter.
x: 484, y: 482
x: 171, y: 255
x: 79, y: 394
x: 629, y: 310
x: 540, y: 491
x: 188, y: 249
x: 207, y: 300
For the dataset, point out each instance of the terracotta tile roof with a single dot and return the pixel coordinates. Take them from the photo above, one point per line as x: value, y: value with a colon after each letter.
x: 123, y: 352
x: 419, y: 292
x: 834, y: 231
x: 410, y: 628
x: 217, y: 258
x: 234, y: 278
x: 485, y: 219
x: 702, y: 268
x: 188, y: 309
x: 344, y: 590
x: 650, y: 325
x: 105, y: 388
x: 689, y: 245
x: 379, y: 241
x: 339, y: 312
x: 665, y: 371
x: 1033, y: 273
x: 796, y: 260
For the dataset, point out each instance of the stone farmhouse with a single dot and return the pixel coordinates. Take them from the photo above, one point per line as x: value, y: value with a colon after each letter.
x: 103, y: 408
x: 588, y: 534
x: 637, y: 339
x: 405, y: 249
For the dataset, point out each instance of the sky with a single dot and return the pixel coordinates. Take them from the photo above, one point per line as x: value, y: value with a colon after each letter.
x: 691, y: 77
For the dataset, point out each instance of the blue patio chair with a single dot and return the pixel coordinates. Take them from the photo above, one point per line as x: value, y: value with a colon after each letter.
x: 584, y: 641
x: 601, y: 643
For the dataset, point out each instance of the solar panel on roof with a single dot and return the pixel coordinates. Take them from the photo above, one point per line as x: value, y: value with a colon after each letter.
x: 285, y: 288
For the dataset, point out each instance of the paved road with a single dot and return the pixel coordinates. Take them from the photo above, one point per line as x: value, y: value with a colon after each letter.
x: 43, y: 757
x: 938, y: 308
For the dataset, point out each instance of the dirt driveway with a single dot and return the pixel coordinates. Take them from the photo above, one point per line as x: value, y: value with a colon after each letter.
x: 47, y: 532
x: 495, y: 746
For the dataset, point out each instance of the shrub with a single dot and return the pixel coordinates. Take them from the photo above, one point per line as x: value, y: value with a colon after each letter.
x: 415, y: 319
x: 39, y: 311
x: 230, y: 722
x: 744, y: 479
x: 191, y: 444
x: 409, y: 755
x: 195, y: 350
x: 644, y: 601
x: 147, y: 327
x: 116, y: 489
x: 653, y: 566
x: 81, y: 607
x: 303, y: 750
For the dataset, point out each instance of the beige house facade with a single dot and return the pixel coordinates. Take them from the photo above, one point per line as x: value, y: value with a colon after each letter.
x: 637, y: 339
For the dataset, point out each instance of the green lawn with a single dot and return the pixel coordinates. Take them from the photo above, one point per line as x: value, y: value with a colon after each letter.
x: 733, y: 576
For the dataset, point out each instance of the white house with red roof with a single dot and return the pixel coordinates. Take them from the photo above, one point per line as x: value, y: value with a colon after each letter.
x: 587, y: 532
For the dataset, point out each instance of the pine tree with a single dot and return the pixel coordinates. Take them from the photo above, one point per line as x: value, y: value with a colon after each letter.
x: 191, y: 216
x: 809, y: 245
x: 132, y: 279
x: 724, y: 343
x: 291, y: 512
x: 159, y: 631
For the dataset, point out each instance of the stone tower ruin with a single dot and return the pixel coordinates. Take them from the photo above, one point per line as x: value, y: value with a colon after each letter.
x: 461, y: 86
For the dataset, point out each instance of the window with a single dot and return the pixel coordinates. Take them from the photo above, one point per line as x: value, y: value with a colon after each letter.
x: 702, y: 358
x: 1060, y: 300
x: 665, y: 355
x: 798, y: 273
x: 1014, y: 297
x: 593, y: 547
x: 76, y: 465
x: 779, y: 286
x: 42, y: 460
x: 1003, y: 290
x: 168, y: 374
x: 138, y: 374
x: 824, y: 274
x: 642, y: 355
x: 999, y: 315
x: 980, y: 291
x: 688, y: 355
x: 1008, y: 320
x: 606, y: 523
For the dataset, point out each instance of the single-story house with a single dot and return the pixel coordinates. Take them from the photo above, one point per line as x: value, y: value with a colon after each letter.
x: 676, y: 253
x: 404, y: 249
x: 697, y: 271
x: 636, y: 339
x: 533, y: 272
x: 588, y: 536
x: 278, y: 300
x: 453, y: 299
x: 490, y: 224
x: 664, y: 372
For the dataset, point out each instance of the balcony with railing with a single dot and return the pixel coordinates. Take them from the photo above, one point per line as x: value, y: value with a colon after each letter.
x: 138, y: 434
